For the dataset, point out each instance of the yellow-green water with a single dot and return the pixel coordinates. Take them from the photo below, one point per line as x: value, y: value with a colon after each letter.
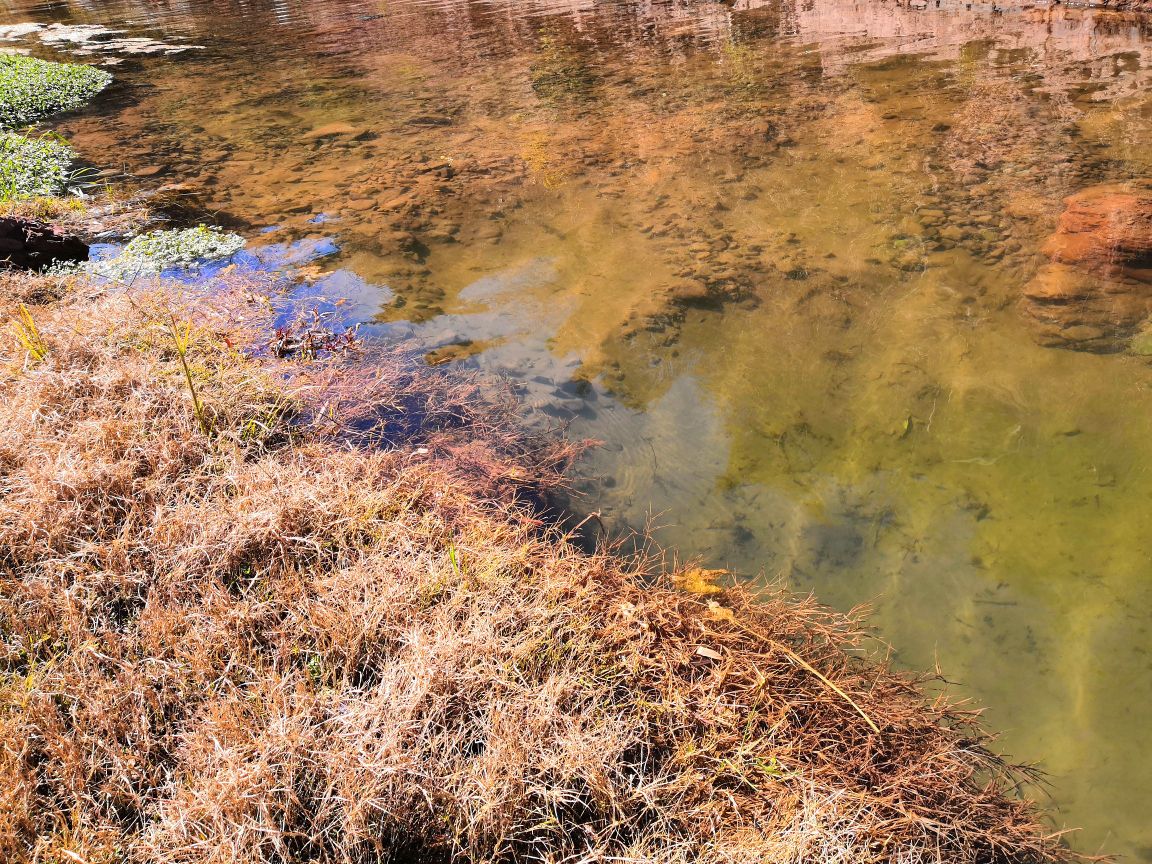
x: 712, y: 236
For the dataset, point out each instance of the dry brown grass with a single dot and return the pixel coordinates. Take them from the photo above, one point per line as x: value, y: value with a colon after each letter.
x: 327, y: 632
x: 108, y: 211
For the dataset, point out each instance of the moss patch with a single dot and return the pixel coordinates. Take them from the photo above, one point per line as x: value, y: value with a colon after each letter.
x: 32, y: 88
x: 31, y: 167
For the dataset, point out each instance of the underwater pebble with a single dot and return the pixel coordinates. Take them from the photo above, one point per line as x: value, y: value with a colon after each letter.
x: 334, y: 130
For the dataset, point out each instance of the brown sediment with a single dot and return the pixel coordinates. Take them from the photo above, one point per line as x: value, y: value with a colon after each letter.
x: 315, y: 624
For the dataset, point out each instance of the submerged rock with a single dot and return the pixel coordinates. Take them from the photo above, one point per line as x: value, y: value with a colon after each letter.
x: 1106, y: 229
x: 334, y: 130
x: 1096, y: 292
x: 29, y: 245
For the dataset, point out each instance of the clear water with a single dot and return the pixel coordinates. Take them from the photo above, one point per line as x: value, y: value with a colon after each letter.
x: 698, y: 233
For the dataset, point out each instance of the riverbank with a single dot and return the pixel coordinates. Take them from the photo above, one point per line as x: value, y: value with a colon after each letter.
x: 276, y: 598
x: 262, y: 609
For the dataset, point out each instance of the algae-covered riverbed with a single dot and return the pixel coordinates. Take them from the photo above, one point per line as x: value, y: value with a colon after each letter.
x: 772, y: 255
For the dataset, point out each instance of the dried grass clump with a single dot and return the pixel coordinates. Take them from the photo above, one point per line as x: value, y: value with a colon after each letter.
x: 326, y: 632
x: 24, y: 287
x: 106, y: 213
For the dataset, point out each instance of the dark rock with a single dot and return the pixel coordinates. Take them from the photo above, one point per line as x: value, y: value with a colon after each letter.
x: 28, y: 245
x: 430, y: 120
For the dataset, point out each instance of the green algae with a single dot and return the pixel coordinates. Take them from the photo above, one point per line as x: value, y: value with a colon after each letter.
x: 31, y: 89
x: 563, y: 71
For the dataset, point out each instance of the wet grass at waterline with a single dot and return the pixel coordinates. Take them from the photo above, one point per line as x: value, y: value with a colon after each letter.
x: 106, y: 212
x: 31, y: 89
x: 261, y: 610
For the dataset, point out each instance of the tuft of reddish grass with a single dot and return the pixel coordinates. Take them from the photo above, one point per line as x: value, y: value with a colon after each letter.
x: 331, y: 631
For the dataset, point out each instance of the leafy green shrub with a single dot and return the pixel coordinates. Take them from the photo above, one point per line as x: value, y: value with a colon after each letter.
x: 30, y: 167
x: 152, y: 253
x: 32, y: 88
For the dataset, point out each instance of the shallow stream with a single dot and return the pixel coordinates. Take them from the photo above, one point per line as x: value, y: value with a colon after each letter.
x: 770, y: 253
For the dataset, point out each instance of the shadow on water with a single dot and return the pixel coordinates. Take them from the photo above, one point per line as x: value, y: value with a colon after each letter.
x: 771, y: 254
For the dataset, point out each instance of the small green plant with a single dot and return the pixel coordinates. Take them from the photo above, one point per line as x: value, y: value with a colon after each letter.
x: 182, y: 338
x: 315, y: 666
x: 28, y: 335
x: 153, y: 253
x: 31, y: 89
x: 33, y: 167
x: 770, y: 767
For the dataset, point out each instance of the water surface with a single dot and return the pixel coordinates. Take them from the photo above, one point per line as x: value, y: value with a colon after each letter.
x: 771, y: 254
